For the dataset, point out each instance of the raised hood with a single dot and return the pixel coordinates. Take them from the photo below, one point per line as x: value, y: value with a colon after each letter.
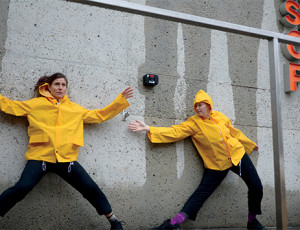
x: 202, y: 96
x: 43, y: 90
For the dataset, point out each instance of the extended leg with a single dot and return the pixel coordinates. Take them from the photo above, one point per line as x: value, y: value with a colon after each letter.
x: 252, y: 180
x: 82, y: 182
x: 31, y: 175
x: 210, y: 181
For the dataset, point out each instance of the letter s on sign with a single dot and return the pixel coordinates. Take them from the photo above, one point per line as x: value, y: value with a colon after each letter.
x: 289, y: 11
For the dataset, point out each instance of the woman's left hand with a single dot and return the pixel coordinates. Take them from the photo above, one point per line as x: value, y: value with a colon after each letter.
x: 256, y: 147
x: 128, y: 93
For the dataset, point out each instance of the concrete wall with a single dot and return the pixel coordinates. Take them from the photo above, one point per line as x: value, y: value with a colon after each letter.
x: 102, y: 51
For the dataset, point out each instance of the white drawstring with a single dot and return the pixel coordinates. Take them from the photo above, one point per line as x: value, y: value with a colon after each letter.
x: 44, y: 166
x: 240, y: 165
x: 70, y: 165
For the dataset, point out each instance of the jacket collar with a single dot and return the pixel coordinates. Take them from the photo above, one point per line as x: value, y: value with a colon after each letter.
x: 196, y: 117
x: 43, y: 90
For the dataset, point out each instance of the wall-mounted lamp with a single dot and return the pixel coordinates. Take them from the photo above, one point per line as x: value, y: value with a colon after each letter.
x: 150, y: 80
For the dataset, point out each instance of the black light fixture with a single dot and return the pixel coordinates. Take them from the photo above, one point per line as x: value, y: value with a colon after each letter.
x: 150, y: 79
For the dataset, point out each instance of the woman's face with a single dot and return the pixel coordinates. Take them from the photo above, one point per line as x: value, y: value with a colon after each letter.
x: 202, y: 109
x: 58, y: 88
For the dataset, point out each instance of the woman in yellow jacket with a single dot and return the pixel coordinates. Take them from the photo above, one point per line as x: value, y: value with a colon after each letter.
x: 222, y: 148
x: 55, y: 134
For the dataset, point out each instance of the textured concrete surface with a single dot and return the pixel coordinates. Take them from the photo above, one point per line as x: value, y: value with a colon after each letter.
x: 270, y: 228
x: 103, y: 51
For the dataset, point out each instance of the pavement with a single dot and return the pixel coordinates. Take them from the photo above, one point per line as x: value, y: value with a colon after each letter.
x: 268, y: 228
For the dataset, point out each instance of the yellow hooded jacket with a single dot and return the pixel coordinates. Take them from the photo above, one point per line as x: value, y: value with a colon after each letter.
x: 217, y: 141
x: 56, y: 130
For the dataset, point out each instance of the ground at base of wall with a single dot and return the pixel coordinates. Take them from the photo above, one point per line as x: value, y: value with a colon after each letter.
x: 269, y: 228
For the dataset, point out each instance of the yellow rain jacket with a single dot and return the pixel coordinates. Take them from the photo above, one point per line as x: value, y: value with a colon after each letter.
x: 217, y: 141
x: 56, y: 130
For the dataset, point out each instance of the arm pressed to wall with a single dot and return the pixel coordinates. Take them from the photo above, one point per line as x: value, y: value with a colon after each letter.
x: 110, y: 111
x: 163, y: 134
x: 243, y: 139
x: 17, y: 108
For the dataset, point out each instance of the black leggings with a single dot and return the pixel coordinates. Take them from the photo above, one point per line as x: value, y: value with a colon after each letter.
x: 72, y: 173
x: 212, y: 179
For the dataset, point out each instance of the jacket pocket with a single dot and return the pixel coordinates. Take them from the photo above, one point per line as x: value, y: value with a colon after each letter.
x: 232, y: 142
x: 42, y: 138
x: 75, y: 140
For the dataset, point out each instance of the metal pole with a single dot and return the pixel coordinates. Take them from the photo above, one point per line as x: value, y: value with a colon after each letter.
x: 274, y: 64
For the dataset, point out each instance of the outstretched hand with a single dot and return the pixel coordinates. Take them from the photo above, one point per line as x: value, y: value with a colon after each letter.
x: 138, y: 126
x: 128, y: 93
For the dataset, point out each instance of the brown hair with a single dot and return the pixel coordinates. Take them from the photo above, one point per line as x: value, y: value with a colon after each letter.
x: 49, y: 80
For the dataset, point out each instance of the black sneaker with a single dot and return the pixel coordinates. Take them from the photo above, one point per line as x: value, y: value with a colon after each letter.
x: 255, y: 225
x: 167, y: 225
x: 117, y: 225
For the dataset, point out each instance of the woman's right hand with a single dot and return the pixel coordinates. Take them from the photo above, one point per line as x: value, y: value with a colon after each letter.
x: 128, y: 93
x: 138, y: 126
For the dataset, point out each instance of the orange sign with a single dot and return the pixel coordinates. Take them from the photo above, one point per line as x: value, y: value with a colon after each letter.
x: 290, y: 11
x: 292, y: 72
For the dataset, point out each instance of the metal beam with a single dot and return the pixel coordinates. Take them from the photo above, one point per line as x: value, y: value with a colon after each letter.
x: 190, y: 19
x: 274, y: 65
x: 280, y: 198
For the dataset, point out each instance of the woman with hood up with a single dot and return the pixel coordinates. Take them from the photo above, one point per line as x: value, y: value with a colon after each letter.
x: 55, y: 134
x: 222, y: 148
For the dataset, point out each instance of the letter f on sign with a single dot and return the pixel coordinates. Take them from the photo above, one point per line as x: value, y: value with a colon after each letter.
x: 290, y: 81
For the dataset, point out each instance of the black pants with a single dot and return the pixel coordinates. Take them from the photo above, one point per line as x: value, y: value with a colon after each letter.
x: 212, y: 179
x: 74, y: 174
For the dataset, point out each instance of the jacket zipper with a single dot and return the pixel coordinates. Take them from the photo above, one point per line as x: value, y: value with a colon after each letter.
x: 228, y: 153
